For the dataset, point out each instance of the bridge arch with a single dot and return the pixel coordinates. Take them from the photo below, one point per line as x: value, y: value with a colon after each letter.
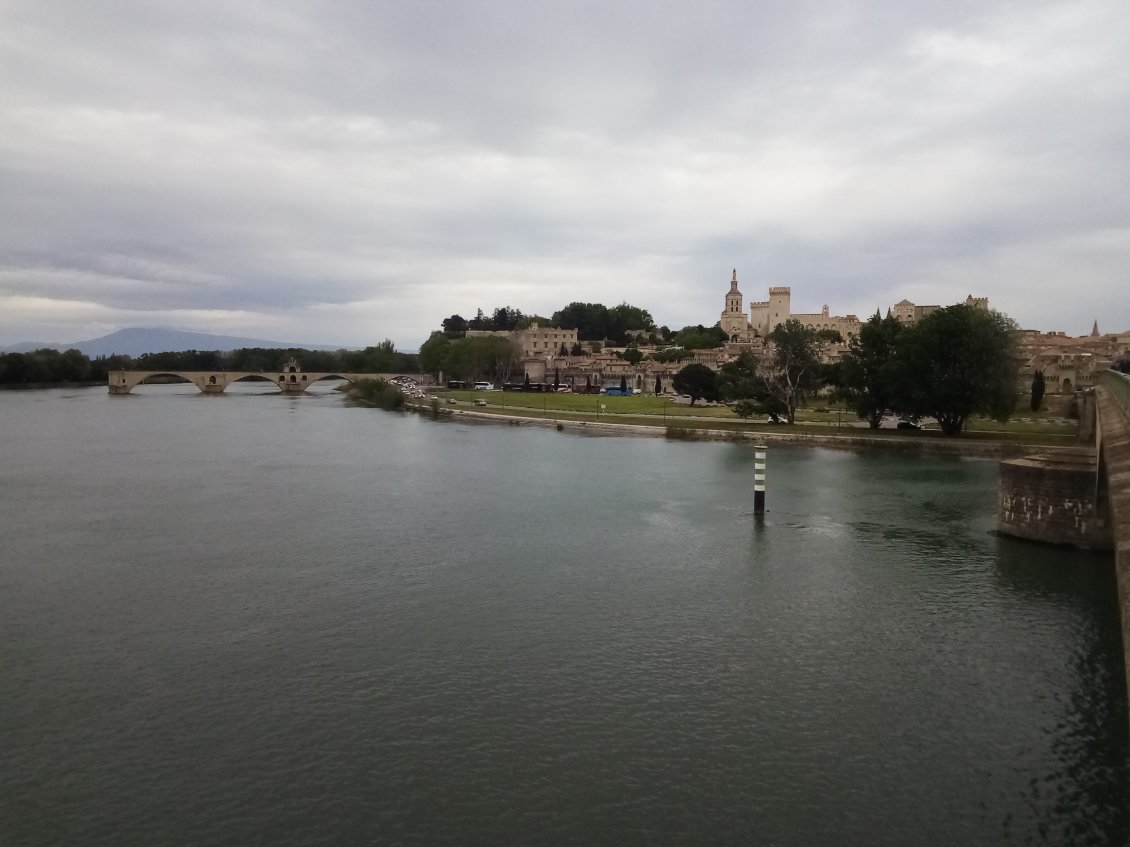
x: 145, y: 376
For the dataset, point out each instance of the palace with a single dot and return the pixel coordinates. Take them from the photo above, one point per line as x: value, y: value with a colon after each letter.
x: 765, y: 315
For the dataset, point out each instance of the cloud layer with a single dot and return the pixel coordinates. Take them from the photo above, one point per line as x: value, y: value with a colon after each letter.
x: 342, y: 172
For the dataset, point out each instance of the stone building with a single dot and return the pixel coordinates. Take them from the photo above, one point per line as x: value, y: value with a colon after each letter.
x: 907, y: 313
x: 765, y: 315
x: 1069, y: 363
x: 733, y: 322
x: 534, y: 340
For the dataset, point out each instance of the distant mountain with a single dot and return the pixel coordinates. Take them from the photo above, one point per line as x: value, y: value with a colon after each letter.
x: 139, y: 340
x: 29, y: 346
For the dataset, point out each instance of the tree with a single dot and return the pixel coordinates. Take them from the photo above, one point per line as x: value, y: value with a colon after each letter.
x: 741, y: 378
x: 1038, y: 388
x: 455, y: 326
x: 505, y: 318
x: 658, y: 385
x: 479, y: 322
x: 632, y: 356
x: 623, y: 318
x: 957, y: 362
x: 589, y: 319
x: 623, y: 384
x: 698, y: 381
x: 525, y: 321
x: 794, y: 371
x: 751, y: 384
x: 867, y: 374
x: 433, y: 352
x: 700, y: 337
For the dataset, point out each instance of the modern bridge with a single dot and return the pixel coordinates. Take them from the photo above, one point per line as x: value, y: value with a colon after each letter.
x: 290, y: 379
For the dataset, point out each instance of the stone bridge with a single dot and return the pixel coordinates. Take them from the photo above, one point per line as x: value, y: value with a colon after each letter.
x: 289, y: 379
x: 1080, y: 497
x: 1112, y: 443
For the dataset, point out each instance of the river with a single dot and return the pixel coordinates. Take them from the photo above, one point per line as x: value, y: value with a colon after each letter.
x: 281, y: 620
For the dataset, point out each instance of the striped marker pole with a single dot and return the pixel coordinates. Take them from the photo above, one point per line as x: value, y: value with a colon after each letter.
x: 759, y: 479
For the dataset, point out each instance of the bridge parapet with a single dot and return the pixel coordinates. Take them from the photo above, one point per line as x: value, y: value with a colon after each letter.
x: 1112, y: 391
x: 1118, y: 385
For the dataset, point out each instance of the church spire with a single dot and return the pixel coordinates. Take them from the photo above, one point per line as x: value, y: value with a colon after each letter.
x: 1095, y: 330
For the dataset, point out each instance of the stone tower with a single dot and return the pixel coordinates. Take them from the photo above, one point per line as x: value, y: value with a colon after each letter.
x: 780, y: 306
x: 733, y: 321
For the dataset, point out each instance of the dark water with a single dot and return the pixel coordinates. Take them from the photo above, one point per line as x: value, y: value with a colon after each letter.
x: 255, y: 619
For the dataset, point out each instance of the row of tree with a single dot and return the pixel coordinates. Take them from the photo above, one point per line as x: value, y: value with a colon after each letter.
x: 954, y: 363
x: 593, y: 322
x: 48, y: 366
x: 490, y: 357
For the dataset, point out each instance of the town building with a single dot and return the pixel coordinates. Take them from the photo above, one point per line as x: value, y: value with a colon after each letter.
x: 1069, y: 363
x: 908, y: 313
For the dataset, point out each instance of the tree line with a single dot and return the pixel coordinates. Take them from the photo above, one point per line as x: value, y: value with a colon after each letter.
x: 594, y: 322
x: 954, y: 363
x: 49, y: 366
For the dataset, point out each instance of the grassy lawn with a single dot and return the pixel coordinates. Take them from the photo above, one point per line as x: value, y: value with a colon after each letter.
x: 567, y: 402
x: 821, y: 420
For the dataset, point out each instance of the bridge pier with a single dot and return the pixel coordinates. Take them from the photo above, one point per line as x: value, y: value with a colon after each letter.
x: 1052, y: 498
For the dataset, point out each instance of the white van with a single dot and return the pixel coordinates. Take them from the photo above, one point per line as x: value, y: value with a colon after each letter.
x: 484, y: 386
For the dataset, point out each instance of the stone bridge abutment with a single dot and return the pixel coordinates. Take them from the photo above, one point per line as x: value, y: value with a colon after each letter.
x: 1080, y: 497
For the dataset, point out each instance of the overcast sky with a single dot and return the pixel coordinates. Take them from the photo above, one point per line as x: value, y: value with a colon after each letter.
x: 344, y: 172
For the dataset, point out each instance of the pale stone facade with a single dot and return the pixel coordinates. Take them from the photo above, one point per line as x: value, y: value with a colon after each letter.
x: 1069, y: 363
x: 534, y: 340
x: 908, y: 313
x: 765, y: 315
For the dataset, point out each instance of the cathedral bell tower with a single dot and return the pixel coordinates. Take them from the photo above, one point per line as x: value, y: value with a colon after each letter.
x: 733, y: 321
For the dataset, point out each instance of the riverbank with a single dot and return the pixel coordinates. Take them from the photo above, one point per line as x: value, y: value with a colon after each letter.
x: 910, y: 443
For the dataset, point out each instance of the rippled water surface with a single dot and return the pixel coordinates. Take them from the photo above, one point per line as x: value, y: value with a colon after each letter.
x: 261, y: 619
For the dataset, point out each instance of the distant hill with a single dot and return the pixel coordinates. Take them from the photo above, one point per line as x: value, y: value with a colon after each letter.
x: 139, y: 340
x: 29, y: 346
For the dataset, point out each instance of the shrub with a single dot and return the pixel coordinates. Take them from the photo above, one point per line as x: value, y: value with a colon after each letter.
x: 377, y: 392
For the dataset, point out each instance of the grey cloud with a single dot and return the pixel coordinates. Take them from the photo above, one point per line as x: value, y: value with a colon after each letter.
x: 320, y: 162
